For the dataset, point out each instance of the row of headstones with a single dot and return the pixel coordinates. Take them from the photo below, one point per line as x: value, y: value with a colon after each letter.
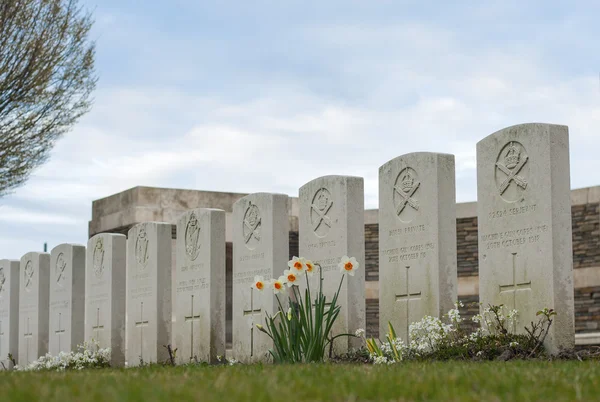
x: 125, y: 286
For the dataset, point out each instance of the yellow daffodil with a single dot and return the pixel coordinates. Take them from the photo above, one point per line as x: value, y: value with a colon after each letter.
x: 259, y: 283
x: 309, y: 266
x: 291, y: 277
x: 296, y: 265
x: 278, y: 285
x: 348, y: 265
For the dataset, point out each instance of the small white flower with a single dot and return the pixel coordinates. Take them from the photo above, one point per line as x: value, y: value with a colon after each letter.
x: 514, y: 344
x: 348, y: 265
x: 360, y: 333
x: 309, y: 266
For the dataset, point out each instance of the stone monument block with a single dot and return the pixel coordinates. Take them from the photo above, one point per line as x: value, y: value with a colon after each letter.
x: 417, y: 239
x: 331, y: 225
x: 34, y: 289
x: 524, y: 215
x: 9, y: 312
x: 148, y: 293
x: 260, y: 248
x: 105, y: 294
x: 199, y: 287
x: 67, y: 298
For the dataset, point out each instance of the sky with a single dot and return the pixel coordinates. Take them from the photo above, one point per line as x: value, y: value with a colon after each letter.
x: 248, y: 96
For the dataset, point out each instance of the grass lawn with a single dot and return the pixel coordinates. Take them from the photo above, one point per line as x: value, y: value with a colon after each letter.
x: 446, y: 381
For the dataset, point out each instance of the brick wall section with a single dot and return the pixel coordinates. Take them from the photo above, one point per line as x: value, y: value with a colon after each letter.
x: 372, y: 330
x: 587, y: 309
x: 467, y: 246
x: 372, y: 252
x: 586, y: 235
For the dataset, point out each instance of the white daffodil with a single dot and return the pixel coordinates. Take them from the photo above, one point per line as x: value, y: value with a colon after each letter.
x: 291, y: 277
x: 297, y: 265
x: 278, y: 285
x: 309, y: 266
x: 348, y: 265
x: 259, y: 283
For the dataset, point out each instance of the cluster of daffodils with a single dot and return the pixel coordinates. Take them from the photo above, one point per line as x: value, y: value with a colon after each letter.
x: 88, y: 355
x: 298, y: 267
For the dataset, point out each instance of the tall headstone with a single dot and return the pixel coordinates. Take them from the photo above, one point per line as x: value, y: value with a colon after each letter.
x: 67, y: 298
x: 9, y: 312
x: 199, y: 328
x: 524, y: 215
x: 34, y: 289
x: 260, y: 248
x: 417, y: 239
x: 105, y: 294
x: 331, y: 225
x: 148, y: 293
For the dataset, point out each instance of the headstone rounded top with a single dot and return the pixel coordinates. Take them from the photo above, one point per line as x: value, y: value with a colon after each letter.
x: 330, y: 179
x: 414, y: 155
x: 519, y: 129
x: 257, y: 196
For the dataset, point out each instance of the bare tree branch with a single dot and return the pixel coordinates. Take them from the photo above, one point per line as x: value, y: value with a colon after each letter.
x: 46, y: 80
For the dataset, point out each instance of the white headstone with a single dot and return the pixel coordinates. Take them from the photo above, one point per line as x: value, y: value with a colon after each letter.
x: 417, y: 239
x: 67, y: 298
x: 524, y: 215
x: 9, y: 311
x: 148, y: 293
x: 199, y: 328
x: 105, y: 294
x: 331, y: 225
x: 260, y: 248
x: 34, y: 299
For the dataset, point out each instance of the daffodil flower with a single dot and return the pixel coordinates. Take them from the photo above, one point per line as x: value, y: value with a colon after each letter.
x: 348, y: 265
x: 297, y: 265
x: 291, y: 277
x: 259, y: 283
x: 309, y: 266
x: 278, y: 285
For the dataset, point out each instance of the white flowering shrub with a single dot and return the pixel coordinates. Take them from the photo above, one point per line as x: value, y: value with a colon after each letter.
x: 88, y: 355
x: 432, y: 338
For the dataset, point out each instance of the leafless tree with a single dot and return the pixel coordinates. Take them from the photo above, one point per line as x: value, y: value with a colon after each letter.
x: 46, y: 80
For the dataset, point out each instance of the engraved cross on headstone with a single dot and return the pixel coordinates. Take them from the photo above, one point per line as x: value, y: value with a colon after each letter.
x: 191, y: 319
x: 59, y: 332
x: 515, y: 286
x: 407, y: 198
x: 28, y: 335
x: 407, y: 297
x: 97, y: 328
x: 252, y: 230
x: 141, y: 324
x: 252, y: 312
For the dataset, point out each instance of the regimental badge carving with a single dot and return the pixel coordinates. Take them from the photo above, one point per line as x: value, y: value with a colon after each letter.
x: 511, y: 170
x: 2, y: 279
x: 405, y: 194
x: 251, y: 226
x: 99, y: 258
x: 28, y: 275
x: 320, y: 209
x: 141, y: 249
x: 192, y: 237
x: 59, y: 269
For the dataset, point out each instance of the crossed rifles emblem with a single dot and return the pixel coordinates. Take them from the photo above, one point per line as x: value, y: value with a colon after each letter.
x: 406, y: 193
x: 324, y: 204
x: 512, y: 168
x: 61, y: 264
x: 252, y: 222
x: 28, y: 274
